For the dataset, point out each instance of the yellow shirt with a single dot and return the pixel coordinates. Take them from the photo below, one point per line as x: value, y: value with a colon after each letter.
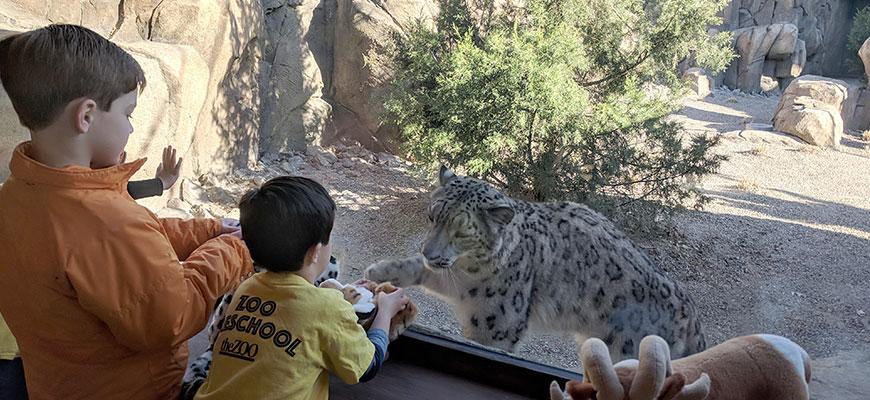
x: 280, y: 339
x: 8, y: 345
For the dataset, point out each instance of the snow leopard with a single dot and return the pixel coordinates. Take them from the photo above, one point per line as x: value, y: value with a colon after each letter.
x: 506, y: 265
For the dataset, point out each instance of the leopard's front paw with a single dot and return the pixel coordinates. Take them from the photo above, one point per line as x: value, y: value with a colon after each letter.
x: 394, y: 271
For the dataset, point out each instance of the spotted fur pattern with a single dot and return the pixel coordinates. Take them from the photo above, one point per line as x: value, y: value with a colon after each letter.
x: 506, y: 265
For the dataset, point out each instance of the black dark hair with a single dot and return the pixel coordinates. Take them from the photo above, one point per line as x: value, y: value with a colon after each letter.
x: 283, y: 219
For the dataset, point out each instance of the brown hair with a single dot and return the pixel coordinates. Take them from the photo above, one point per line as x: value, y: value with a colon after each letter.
x: 45, y: 69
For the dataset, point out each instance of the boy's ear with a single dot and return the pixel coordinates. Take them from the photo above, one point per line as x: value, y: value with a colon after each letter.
x: 84, y: 114
x: 311, y: 254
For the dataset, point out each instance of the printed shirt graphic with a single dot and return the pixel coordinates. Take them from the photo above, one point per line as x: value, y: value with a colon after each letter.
x: 280, y: 339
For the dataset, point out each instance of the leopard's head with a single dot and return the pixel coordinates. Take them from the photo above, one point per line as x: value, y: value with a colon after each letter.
x: 469, y: 218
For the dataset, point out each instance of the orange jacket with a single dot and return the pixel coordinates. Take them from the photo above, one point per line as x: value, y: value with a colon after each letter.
x: 92, y: 287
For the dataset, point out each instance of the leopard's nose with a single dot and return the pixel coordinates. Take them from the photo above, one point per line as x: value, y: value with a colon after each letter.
x: 430, y: 253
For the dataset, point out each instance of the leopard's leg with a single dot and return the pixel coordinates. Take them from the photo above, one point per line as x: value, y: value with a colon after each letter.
x: 490, y: 327
x: 413, y: 271
x: 404, y: 272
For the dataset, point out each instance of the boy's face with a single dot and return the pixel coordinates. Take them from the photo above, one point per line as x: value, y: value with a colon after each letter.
x: 109, y: 131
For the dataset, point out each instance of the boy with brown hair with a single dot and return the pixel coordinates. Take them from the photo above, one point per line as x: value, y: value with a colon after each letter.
x: 100, y: 294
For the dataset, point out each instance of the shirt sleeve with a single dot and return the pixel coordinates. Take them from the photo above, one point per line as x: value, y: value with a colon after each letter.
x: 145, y: 188
x: 186, y: 235
x: 378, y: 338
x: 134, y: 283
x: 347, y: 349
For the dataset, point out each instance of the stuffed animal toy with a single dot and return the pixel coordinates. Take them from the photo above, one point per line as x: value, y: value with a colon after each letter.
x: 363, y: 295
x: 755, y: 367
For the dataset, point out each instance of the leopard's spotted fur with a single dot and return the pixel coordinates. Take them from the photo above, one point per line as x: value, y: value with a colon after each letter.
x: 506, y: 264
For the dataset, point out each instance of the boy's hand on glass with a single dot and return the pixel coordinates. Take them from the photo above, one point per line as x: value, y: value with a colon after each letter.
x: 169, y: 170
x: 392, y: 303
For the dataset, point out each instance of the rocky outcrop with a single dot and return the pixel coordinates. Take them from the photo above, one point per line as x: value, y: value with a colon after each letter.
x: 771, y: 50
x: 233, y: 80
x: 864, y: 53
x: 783, y: 39
x: 811, y: 108
x: 361, y: 67
x: 698, y: 82
x: 822, y: 26
x: 298, y: 55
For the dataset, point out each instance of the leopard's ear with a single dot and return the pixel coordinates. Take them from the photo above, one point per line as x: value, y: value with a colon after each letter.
x: 503, y: 214
x: 445, y: 175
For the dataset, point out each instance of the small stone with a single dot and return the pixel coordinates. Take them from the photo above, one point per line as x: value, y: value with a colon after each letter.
x: 861, y: 313
x: 179, y: 204
x: 172, y: 212
x: 292, y: 164
x: 347, y: 163
x: 192, y: 193
x: 339, y: 147
x: 323, y: 157
x: 197, y: 210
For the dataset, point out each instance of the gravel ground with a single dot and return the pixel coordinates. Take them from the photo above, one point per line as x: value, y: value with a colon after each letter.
x: 783, y: 248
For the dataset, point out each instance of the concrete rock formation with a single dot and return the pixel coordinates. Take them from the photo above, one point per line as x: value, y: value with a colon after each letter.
x: 811, y: 108
x: 783, y: 39
x: 230, y: 81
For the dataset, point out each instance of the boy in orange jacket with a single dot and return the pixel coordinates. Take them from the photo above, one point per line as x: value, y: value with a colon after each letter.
x: 100, y: 294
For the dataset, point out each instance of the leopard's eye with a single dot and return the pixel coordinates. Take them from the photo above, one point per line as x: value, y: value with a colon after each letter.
x: 464, y: 231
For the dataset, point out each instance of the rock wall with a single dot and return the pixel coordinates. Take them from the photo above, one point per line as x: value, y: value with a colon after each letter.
x: 783, y: 39
x: 230, y: 81
x: 361, y: 68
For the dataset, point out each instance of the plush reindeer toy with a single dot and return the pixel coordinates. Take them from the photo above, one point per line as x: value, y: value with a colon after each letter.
x: 363, y: 295
x: 755, y: 367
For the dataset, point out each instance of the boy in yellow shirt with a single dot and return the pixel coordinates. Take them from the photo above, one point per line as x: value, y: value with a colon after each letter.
x: 282, y: 335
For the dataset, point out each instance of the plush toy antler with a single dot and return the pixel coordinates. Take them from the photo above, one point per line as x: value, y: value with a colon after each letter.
x: 749, y: 367
x: 649, y: 378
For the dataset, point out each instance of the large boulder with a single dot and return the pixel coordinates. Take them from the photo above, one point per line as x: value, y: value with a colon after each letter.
x: 811, y: 108
x: 698, y: 82
x: 760, y: 49
x: 864, y: 53
x: 820, y: 25
x: 859, y: 119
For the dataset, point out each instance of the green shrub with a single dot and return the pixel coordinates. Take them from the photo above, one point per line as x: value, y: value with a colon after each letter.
x: 560, y: 99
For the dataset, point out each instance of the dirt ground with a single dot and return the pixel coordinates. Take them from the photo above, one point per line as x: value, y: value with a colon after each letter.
x: 782, y: 248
